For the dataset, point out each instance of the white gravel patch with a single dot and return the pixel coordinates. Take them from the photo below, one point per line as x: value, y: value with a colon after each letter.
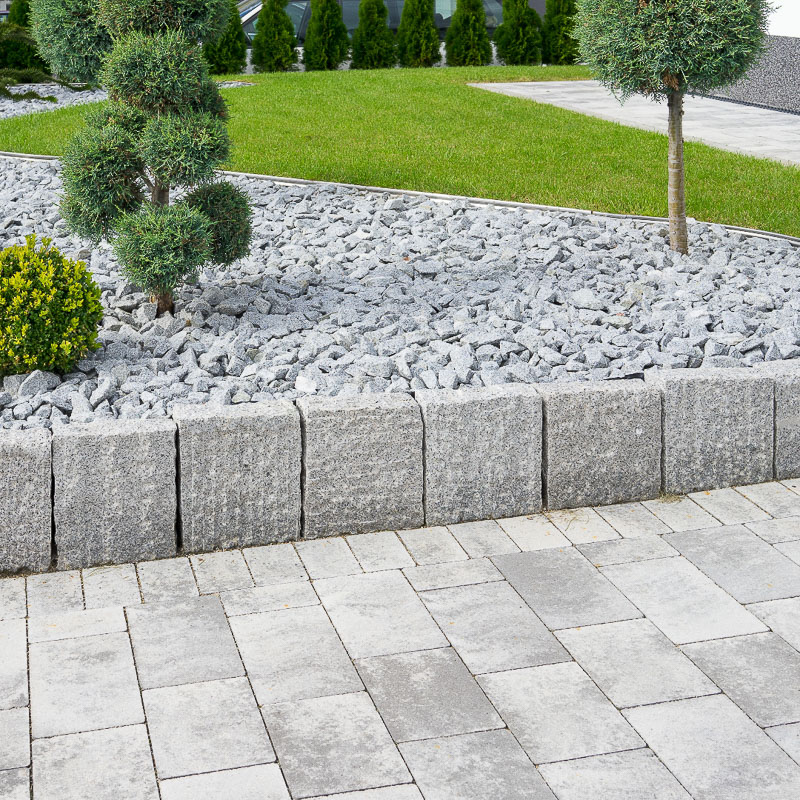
x: 64, y: 97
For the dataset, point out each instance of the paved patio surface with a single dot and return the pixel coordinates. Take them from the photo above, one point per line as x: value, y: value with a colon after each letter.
x: 730, y: 126
x: 648, y: 650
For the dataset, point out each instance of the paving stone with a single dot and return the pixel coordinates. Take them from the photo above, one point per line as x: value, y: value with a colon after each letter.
x: 582, y: 525
x: 77, y: 624
x: 788, y: 738
x: 277, y: 563
x: 182, y: 642
x: 556, y: 713
x: 774, y: 498
x: 533, y: 532
x: 378, y: 551
x: 588, y: 431
x: 681, y: 514
x: 205, y: 727
x: 760, y: 673
x: 269, y: 598
x: 790, y: 549
x: 362, y: 464
x: 54, y: 593
x: 83, y: 684
x: 682, y: 602
x: 742, y: 564
x: 621, y: 551
x: 453, y: 573
x: 13, y: 664
x: 634, y: 664
x: 378, y: 614
x: 101, y: 765
x: 220, y: 572
x: 293, y: 655
x: 475, y: 766
x: 616, y: 776
x: 404, y: 791
x: 168, y: 579
x: 15, y: 784
x: 715, y: 751
x: 432, y: 545
x: 262, y: 782
x: 728, y: 506
x: 239, y: 475
x: 631, y: 520
x: 13, y: 604
x: 482, y: 453
x: 427, y: 694
x: 333, y: 744
x: 15, y: 747
x: 485, y: 538
x: 111, y: 586
x: 491, y: 627
x: 564, y: 589
x: 328, y: 558
x: 783, y: 616
x: 775, y: 531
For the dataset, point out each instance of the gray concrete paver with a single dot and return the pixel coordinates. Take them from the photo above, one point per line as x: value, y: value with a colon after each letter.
x: 111, y: 586
x: 168, y: 579
x: 221, y: 572
x: 432, y: 545
x: 15, y: 784
x: 54, y: 592
x: 777, y: 530
x: 328, y: 558
x: 483, y: 538
x: 15, y: 744
x: 379, y: 551
x: 13, y: 664
x: 276, y: 563
x: 12, y: 598
x: 452, y: 573
x: 261, y: 782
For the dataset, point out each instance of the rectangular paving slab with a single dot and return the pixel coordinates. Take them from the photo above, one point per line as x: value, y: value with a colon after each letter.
x: 15, y: 743
x: 13, y: 664
x: 54, y: 593
x: 582, y: 525
x: 378, y: 551
x: 453, y: 573
x: 774, y: 498
x: 631, y: 520
x: 432, y: 545
x: 12, y: 598
x: 681, y: 514
x: 328, y: 558
x: 729, y: 506
x: 533, y: 532
x: 483, y: 538
x: 220, y: 572
x: 111, y: 586
x: 269, y: 598
x: 777, y: 530
x: 15, y: 784
x: 262, y: 782
x: 75, y: 624
x: 277, y: 563
x: 783, y: 616
x: 168, y: 579
x: 621, y: 551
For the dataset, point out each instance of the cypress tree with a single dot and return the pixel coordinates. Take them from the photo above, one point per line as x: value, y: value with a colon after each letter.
x: 16, y: 52
x: 19, y: 13
x: 228, y: 53
x: 467, y: 41
x: 519, y: 37
x: 274, y: 43
x: 417, y: 37
x: 560, y: 47
x: 373, y: 42
x: 327, y: 43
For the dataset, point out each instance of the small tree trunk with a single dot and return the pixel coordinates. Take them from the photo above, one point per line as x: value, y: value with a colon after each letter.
x: 160, y: 197
x: 678, y: 235
x: 163, y: 301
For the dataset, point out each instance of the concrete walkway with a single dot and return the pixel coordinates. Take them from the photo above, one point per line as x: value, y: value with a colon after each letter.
x: 648, y: 650
x: 730, y: 126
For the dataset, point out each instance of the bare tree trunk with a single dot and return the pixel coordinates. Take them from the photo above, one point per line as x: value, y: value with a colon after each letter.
x: 160, y: 197
x: 678, y: 235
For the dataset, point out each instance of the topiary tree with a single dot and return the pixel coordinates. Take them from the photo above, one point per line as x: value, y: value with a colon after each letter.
x: 274, y: 45
x: 227, y: 54
x: 666, y: 49
x: 163, y: 128
x: 467, y: 41
x: 417, y: 37
x: 519, y: 37
x: 373, y: 42
x: 560, y: 46
x: 327, y: 43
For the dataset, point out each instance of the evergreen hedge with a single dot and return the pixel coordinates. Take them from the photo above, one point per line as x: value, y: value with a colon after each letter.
x: 560, y: 46
x: 274, y: 45
x: 373, y: 42
x: 467, y: 41
x: 327, y: 43
x: 227, y: 53
x: 519, y: 37
x: 19, y: 51
x: 417, y: 37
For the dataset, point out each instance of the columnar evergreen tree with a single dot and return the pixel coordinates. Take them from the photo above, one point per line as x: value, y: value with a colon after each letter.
x: 417, y: 37
x: 467, y: 41
x: 373, y: 42
x: 163, y: 128
x: 560, y: 46
x: 18, y: 51
x: 519, y: 36
x: 666, y: 49
x: 327, y: 43
x: 274, y: 45
x: 227, y: 53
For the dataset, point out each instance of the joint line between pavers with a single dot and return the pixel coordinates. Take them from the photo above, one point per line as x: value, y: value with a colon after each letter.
x: 178, y: 507
x: 545, y: 453
x: 302, y: 475
x: 424, y: 463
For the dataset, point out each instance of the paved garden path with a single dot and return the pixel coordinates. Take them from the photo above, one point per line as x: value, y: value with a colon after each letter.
x: 730, y: 126
x: 647, y: 650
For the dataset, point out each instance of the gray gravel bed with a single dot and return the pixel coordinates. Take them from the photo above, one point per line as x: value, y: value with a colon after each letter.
x: 64, y: 97
x: 347, y: 292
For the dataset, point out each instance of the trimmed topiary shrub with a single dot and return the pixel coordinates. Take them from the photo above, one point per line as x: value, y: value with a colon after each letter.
x: 467, y: 42
x: 560, y: 46
x: 19, y: 51
x: 227, y: 53
x: 519, y: 37
x: 417, y: 37
x: 274, y: 45
x: 327, y: 43
x: 373, y: 42
x: 49, y: 309
x: 228, y: 208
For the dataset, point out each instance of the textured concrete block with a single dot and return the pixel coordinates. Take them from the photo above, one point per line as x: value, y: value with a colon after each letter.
x: 115, y: 497
x: 718, y: 428
x: 239, y: 474
x: 786, y: 377
x: 25, y: 510
x: 363, y: 464
x: 483, y: 453
x: 602, y: 443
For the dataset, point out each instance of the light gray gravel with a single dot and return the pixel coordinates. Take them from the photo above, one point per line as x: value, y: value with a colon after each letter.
x: 347, y: 292
x: 64, y: 97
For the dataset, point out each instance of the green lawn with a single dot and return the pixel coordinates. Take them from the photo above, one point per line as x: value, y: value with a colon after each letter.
x: 428, y: 130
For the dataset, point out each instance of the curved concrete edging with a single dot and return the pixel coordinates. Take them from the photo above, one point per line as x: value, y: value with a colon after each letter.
x: 218, y: 477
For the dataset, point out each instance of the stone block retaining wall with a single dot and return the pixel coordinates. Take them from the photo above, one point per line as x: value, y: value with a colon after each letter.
x: 219, y: 477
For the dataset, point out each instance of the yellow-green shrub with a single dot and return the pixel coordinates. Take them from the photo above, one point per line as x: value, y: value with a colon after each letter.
x: 49, y: 309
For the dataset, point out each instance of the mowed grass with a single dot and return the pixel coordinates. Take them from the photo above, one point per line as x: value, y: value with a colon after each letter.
x: 429, y: 130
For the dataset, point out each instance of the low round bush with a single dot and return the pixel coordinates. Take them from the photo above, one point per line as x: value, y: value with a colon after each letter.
x: 49, y: 309
x: 228, y: 208
x: 197, y: 19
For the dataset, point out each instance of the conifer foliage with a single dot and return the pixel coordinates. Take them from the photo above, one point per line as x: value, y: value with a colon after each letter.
x: 467, y: 42
x: 327, y: 43
x: 17, y: 51
x: 417, y: 37
x: 274, y: 45
x: 373, y: 42
x: 560, y: 47
x: 227, y: 54
x: 519, y: 36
